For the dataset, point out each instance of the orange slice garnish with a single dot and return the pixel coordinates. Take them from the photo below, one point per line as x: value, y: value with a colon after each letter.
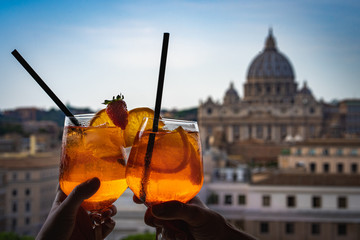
x: 135, y: 119
x: 171, y: 151
x: 101, y: 119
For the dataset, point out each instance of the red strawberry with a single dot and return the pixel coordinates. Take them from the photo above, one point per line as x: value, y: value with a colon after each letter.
x: 117, y: 111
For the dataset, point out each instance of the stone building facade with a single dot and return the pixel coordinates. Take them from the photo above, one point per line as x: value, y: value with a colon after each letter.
x: 273, y: 109
x: 27, y: 190
x: 329, y: 156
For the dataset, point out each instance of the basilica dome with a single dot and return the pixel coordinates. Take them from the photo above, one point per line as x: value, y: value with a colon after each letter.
x: 270, y: 63
x: 270, y: 76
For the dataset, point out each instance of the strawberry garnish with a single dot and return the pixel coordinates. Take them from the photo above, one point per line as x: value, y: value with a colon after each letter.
x: 117, y: 111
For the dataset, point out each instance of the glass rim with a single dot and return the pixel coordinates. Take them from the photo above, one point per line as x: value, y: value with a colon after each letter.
x: 82, y: 115
x: 173, y: 120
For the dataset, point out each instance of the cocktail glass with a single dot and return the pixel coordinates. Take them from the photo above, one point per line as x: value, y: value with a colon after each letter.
x: 89, y: 152
x: 174, y: 170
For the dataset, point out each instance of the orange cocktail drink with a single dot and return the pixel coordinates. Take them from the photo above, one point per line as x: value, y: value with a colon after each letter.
x: 93, y: 151
x: 175, y: 171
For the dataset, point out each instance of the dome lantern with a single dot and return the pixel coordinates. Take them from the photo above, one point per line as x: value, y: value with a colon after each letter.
x: 270, y: 43
x: 270, y: 76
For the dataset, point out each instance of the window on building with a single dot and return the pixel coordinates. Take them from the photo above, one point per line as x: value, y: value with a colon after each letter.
x: 341, y: 229
x: 14, y: 176
x: 312, y: 167
x: 353, y: 152
x: 213, y: 198
x: 289, y: 228
x: 291, y: 201
x: 326, y: 168
x: 269, y: 132
x: 325, y: 152
x: 209, y: 130
x: 311, y: 152
x: 339, y: 152
x: 27, y: 176
x: 27, y: 206
x: 236, y: 132
x: 259, y: 131
x: 340, y: 167
x: 264, y: 227
x: 268, y: 88
x: 14, y: 207
x: 342, y: 202
x: 312, y: 131
x: 316, y: 202
x: 27, y: 221
x: 354, y: 168
x: 228, y: 200
x: 315, y: 228
x: 209, y: 111
x: 250, y: 131
x: 27, y: 192
x: 14, y: 192
x: 266, y: 201
x: 242, y: 200
x: 298, y: 152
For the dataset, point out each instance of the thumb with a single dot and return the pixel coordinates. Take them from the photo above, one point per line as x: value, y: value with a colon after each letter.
x: 81, y: 192
x: 174, y: 210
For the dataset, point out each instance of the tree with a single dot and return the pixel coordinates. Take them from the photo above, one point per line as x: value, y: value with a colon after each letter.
x: 145, y: 236
x: 13, y: 236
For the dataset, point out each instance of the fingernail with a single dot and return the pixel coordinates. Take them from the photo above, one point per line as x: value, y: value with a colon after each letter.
x: 158, y: 210
x: 94, y: 183
x: 107, y: 213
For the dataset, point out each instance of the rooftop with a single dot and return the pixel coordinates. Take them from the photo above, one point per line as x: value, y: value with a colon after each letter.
x: 303, y: 179
x: 26, y: 160
x: 348, y: 142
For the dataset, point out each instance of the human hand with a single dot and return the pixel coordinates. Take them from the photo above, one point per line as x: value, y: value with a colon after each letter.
x: 67, y: 220
x: 191, y: 221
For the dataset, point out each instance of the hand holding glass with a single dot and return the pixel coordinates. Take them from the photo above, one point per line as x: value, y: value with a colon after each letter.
x: 89, y: 152
x: 175, y: 170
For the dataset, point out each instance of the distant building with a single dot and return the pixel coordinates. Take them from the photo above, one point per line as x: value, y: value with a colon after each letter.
x: 323, y: 156
x: 28, y: 186
x: 272, y: 107
x: 2, y: 200
x: 291, y: 206
x: 273, y: 112
x: 350, y: 115
x: 23, y: 114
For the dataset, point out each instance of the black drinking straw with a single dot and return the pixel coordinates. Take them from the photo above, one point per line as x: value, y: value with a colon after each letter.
x: 159, y: 92
x: 43, y: 85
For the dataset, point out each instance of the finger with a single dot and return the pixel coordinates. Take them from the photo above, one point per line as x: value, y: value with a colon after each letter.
x: 81, y: 192
x: 137, y: 200
x: 109, y: 212
x: 60, y: 196
x: 149, y: 218
x: 196, y: 201
x: 107, y: 227
x: 174, y: 210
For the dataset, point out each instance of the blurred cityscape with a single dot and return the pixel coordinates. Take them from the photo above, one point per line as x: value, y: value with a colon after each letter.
x: 278, y: 162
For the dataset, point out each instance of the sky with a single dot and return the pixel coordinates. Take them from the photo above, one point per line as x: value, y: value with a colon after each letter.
x: 89, y: 51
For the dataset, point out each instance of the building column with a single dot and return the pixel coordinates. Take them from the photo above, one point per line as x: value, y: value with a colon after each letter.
x: 265, y: 132
x: 275, y: 133
x: 230, y: 134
